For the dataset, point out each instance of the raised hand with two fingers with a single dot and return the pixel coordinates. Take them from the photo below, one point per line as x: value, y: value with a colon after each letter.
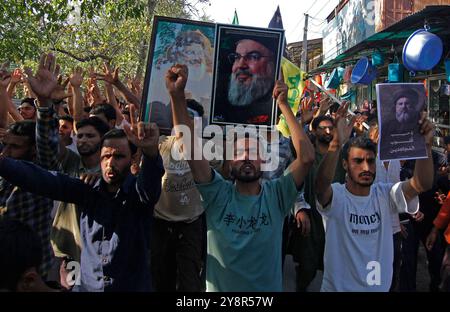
x: 143, y: 135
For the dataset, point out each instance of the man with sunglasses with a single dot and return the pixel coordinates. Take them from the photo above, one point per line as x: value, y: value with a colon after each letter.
x: 307, y: 241
x: 250, y: 84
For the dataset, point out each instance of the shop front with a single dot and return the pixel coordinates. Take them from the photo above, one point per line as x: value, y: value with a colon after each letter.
x: 385, y: 48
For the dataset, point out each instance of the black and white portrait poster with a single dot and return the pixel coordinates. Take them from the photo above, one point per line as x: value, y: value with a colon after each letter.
x: 247, y: 62
x: 399, y: 108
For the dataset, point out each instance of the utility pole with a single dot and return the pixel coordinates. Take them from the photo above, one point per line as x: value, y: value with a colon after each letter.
x: 303, y: 64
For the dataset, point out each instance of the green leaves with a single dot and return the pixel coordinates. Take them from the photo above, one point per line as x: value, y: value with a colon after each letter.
x: 83, y: 32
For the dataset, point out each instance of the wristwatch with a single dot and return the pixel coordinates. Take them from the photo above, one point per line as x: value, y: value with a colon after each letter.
x: 45, y: 109
x: 48, y: 106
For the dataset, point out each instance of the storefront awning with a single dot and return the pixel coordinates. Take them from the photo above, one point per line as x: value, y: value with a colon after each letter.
x: 437, y: 18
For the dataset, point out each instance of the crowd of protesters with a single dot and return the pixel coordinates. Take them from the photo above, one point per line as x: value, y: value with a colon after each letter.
x: 92, y: 199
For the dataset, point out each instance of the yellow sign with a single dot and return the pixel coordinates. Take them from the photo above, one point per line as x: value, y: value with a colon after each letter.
x: 294, y: 79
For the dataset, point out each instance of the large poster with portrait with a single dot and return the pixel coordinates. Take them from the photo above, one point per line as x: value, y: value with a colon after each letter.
x: 247, y: 62
x: 400, y: 106
x: 184, y: 42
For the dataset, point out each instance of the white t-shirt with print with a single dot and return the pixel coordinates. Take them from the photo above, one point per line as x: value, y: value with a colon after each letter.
x: 390, y: 175
x: 358, y: 239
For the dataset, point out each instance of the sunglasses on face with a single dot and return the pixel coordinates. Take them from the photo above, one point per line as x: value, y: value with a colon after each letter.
x: 331, y: 128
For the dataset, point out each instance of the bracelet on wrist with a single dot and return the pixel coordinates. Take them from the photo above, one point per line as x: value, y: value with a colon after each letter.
x: 44, y: 103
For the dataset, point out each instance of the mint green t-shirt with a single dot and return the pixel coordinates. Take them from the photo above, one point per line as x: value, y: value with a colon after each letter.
x: 245, y: 233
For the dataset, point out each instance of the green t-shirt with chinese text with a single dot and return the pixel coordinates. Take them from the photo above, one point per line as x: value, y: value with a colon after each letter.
x: 245, y: 234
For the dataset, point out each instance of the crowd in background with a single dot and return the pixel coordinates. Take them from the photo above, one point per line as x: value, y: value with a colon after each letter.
x: 85, y: 187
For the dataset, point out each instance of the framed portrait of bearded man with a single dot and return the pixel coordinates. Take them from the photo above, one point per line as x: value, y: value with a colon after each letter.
x: 247, y: 64
x: 400, y: 106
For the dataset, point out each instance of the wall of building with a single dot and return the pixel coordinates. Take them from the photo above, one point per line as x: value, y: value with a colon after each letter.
x: 314, y: 53
x: 421, y: 4
x: 389, y: 12
x: 354, y: 23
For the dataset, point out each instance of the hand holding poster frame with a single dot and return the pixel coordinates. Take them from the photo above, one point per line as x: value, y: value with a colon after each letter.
x: 247, y: 64
x: 400, y: 105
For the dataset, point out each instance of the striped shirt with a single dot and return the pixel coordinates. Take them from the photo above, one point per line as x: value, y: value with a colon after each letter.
x: 29, y: 208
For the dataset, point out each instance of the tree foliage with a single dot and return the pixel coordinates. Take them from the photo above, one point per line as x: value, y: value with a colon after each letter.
x: 84, y: 32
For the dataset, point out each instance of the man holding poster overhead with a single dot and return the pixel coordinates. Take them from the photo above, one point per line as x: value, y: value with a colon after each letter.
x: 399, y: 114
x: 358, y: 238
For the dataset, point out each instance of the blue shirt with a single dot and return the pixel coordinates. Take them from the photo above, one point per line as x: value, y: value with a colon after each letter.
x: 114, y: 227
x: 244, y: 234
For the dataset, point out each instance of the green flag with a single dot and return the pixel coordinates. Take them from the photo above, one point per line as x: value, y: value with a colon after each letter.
x: 235, y: 18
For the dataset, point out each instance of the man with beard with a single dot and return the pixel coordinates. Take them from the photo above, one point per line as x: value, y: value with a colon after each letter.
x: 65, y: 234
x: 244, y: 218
x: 115, y: 212
x: 65, y: 131
x: 358, y: 245
x: 403, y: 110
x: 89, y: 136
x: 22, y: 141
x: 250, y: 85
x: 52, y: 150
x: 15, y: 202
x: 399, y: 133
x: 307, y: 236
